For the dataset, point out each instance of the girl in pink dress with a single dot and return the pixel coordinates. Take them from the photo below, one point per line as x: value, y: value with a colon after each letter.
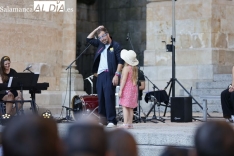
x: 128, y: 92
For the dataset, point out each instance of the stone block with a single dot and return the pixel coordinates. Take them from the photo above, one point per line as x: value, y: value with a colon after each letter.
x: 222, y: 69
x: 188, y: 11
x: 133, y: 13
x: 218, y: 11
x: 229, y: 12
x: 111, y: 15
x: 231, y: 40
x: 223, y: 77
x: 150, y: 14
x: 205, y: 72
x: 214, y: 85
x: 221, y: 40
x: 149, y: 58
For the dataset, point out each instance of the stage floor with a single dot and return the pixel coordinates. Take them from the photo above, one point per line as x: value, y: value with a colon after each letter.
x: 153, y: 137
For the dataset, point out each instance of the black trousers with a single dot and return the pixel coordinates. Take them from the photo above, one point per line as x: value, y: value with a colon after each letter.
x: 227, y: 102
x: 106, y: 98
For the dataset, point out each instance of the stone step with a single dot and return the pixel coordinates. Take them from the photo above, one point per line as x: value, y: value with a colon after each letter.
x: 223, y: 77
x: 55, y: 110
x: 157, y: 137
x: 199, y: 92
x: 212, y: 85
x: 210, y: 108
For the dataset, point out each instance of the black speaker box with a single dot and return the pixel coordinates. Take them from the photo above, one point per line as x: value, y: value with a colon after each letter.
x: 181, y: 109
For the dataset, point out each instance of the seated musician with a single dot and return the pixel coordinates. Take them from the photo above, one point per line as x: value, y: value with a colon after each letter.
x: 227, y: 101
x: 8, y: 95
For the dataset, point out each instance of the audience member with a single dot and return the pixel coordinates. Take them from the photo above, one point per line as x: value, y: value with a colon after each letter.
x: 31, y: 136
x: 121, y: 143
x: 86, y: 139
x: 214, y: 138
x: 227, y: 101
x: 175, y: 151
x: 1, y: 144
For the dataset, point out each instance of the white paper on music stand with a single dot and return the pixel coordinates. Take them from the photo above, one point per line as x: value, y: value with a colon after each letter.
x: 10, y: 81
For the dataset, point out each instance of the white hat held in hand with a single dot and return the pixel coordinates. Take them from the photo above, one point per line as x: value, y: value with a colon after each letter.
x: 129, y: 56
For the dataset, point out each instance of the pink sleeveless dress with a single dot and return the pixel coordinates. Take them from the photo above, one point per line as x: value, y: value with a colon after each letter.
x: 130, y: 92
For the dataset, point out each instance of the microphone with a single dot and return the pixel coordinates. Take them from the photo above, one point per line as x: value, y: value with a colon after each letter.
x: 127, y: 37
x: 29, y: 66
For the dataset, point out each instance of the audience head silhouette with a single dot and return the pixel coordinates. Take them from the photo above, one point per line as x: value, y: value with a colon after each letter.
x: 31, y: 136
x: 86, y: 139
x: 214, y: 138
x: 121, y: 143
x: 175, y: 151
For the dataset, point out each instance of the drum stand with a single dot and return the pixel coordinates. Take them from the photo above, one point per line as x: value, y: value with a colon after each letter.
x: 92, y: 113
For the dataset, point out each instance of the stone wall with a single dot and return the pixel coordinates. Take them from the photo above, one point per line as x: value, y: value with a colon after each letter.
x: 46, y: 40
x: 87, y: 20
x: 204, y: 40
x: 28, y: 39
x: 122, y: 17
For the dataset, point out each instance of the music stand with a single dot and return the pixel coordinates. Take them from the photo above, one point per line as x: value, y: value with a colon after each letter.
x: 21, y: 80
x: 157, y: 97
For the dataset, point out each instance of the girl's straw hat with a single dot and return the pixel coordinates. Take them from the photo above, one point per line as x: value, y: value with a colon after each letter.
x: 129, y: 56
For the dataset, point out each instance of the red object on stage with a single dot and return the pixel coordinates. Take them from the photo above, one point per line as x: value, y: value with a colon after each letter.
x: 84, y: 103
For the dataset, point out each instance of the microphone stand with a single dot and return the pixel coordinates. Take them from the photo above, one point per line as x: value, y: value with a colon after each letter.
x: 130, y: 41
x: 69, y: 67
x: 139, y: 108
x: 30, y: 71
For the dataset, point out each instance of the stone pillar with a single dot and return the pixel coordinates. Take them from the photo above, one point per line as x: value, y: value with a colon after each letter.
x: 47, y: 40
x: 69, y: 54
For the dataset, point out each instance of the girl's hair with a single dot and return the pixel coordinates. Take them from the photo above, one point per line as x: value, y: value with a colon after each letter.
x: 2, y: 71
x: 134, y: 73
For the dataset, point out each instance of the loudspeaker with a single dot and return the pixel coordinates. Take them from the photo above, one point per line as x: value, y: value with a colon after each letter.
x: 181, y: 109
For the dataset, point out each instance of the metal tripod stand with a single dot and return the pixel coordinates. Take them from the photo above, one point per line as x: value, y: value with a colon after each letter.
x: 171, y: 48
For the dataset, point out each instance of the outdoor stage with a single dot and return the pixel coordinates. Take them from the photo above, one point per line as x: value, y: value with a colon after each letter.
x: 153, y: 137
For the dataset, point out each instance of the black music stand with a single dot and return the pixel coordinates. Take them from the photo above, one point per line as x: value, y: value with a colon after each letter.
x: 21, y: 80
x: 157, y: 97
x: 161, y: 96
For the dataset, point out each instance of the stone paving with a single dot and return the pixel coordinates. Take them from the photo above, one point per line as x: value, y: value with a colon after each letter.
x: 153, y: 137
